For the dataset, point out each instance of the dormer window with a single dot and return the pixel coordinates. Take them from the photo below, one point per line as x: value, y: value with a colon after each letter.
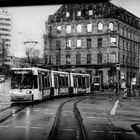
x: 67, y: 14
x: 90, y: 12
x: 111, y: 26
x: 79, y: 13
x: 59, y: 29
x: 100, y: 26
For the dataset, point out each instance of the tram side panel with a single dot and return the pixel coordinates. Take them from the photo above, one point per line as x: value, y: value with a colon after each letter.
x: 60, y: 83
x: 80, y: 83
x: 29, y: 84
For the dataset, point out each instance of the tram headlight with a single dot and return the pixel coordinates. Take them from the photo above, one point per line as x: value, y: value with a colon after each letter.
x: 28, y: 92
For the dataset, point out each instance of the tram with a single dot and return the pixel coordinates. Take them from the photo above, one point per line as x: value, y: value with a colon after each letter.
x: 80, y: 83
x: 60, y: 83
x: 29, y: 84
x: 32, y: 84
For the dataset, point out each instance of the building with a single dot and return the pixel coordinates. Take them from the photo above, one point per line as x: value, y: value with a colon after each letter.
x: 93, y: 38
x: 5, y: 34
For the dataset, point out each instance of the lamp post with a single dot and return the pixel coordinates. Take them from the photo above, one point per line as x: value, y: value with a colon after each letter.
x: 117, y: 79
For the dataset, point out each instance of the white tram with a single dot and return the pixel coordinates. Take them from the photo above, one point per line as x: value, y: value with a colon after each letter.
x: 31, y: 84
x: 80, y: 83
x: 60, y: 83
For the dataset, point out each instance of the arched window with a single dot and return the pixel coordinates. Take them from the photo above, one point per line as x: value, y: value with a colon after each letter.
x: 111, y: 26
x: 100, y: 26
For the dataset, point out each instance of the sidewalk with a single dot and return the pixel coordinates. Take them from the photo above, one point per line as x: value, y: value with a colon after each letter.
x: 111, y: 93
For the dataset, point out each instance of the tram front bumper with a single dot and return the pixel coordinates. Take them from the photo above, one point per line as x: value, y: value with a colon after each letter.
x: 24, y: 98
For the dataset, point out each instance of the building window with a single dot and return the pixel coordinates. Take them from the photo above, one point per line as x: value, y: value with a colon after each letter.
x: 68, y: 29
x: 99, y: 43
x: 68, y: 44
x: 79, y: 43
x: 68, y: 59
x: 50, y: 59
x: 78, y: 59
x: 46, y: 59
x: 113, y: 57
x: 79, y: 13
x: 113, y: 41
x: 111, y: 26
x: 79, y: 28
x: 89, y: 43
x: 90, y: 12
x: 89, y: 27
x: 59, y: 29
x: 58, y: 44
x: 100, y: 26
x: 67, y: 14
x: 57, y: 59
x: 99, y: 58
x: 88, y: 58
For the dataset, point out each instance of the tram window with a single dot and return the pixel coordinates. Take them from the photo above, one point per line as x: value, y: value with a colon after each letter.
x: 35, y: 81
x: 79, y: 82
x: 87, y: 79
x: 25, y: 81
x: 83, y: 82
x: 75, y: 82
x: 66, y: 81
x: 55, y: 82
x: 47, y: 81
x: 43, y: 81
x: 63, y: 81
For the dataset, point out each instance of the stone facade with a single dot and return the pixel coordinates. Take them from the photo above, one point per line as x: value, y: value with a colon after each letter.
x: 94, y: 34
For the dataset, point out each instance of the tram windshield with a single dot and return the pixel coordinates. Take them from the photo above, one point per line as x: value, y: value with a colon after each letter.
x: 23, y: 81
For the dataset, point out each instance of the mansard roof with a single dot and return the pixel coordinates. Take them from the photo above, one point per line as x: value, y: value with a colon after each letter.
x: 100, y: 10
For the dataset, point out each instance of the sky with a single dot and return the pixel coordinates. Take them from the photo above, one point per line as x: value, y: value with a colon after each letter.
x: 29, y: 23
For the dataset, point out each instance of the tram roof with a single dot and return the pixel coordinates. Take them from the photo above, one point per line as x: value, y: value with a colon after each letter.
x: 30, y: 68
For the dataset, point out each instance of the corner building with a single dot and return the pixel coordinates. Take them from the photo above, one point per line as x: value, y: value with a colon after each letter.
x: 93, y: 38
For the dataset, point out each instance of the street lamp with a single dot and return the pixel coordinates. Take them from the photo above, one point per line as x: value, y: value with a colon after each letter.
x: 117, y: 78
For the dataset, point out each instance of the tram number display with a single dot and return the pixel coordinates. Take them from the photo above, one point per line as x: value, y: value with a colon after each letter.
x: 46, y: 92
x: 81, y: 89
x: 63, y: 90
x: 21, y: 72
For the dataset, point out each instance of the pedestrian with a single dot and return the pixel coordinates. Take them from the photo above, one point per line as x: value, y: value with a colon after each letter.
x: 116, y: 90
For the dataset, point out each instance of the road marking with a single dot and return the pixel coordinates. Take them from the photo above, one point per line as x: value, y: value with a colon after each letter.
x: 33, y: 127
x: 113, y: 111
x: 67, y: 129
x: 96, y: 117
x: 112, y: 132
x: 4, y: 126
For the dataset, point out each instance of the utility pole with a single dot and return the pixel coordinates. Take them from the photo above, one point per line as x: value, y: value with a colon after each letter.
x: 117, y: 78
x: 3, y: 51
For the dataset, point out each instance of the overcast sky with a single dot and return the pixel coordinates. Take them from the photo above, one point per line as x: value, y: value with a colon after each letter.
x: 29, y: 22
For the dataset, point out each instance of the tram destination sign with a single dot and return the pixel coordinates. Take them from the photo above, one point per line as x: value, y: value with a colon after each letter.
x: 21, y: 71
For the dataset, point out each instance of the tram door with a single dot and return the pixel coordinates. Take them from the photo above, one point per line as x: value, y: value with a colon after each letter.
x: 75, y: 85
x: 56, y: 86
x: 97, y: 83
x: 41, y: 86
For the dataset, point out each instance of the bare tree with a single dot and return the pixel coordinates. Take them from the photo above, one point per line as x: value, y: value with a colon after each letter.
x: 32, y: 53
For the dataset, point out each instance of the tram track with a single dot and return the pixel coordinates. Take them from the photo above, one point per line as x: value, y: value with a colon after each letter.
x: 9, y: 112
x: 58, y: 120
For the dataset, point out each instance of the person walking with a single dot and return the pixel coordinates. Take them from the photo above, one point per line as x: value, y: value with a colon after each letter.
x: 116, y: 90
